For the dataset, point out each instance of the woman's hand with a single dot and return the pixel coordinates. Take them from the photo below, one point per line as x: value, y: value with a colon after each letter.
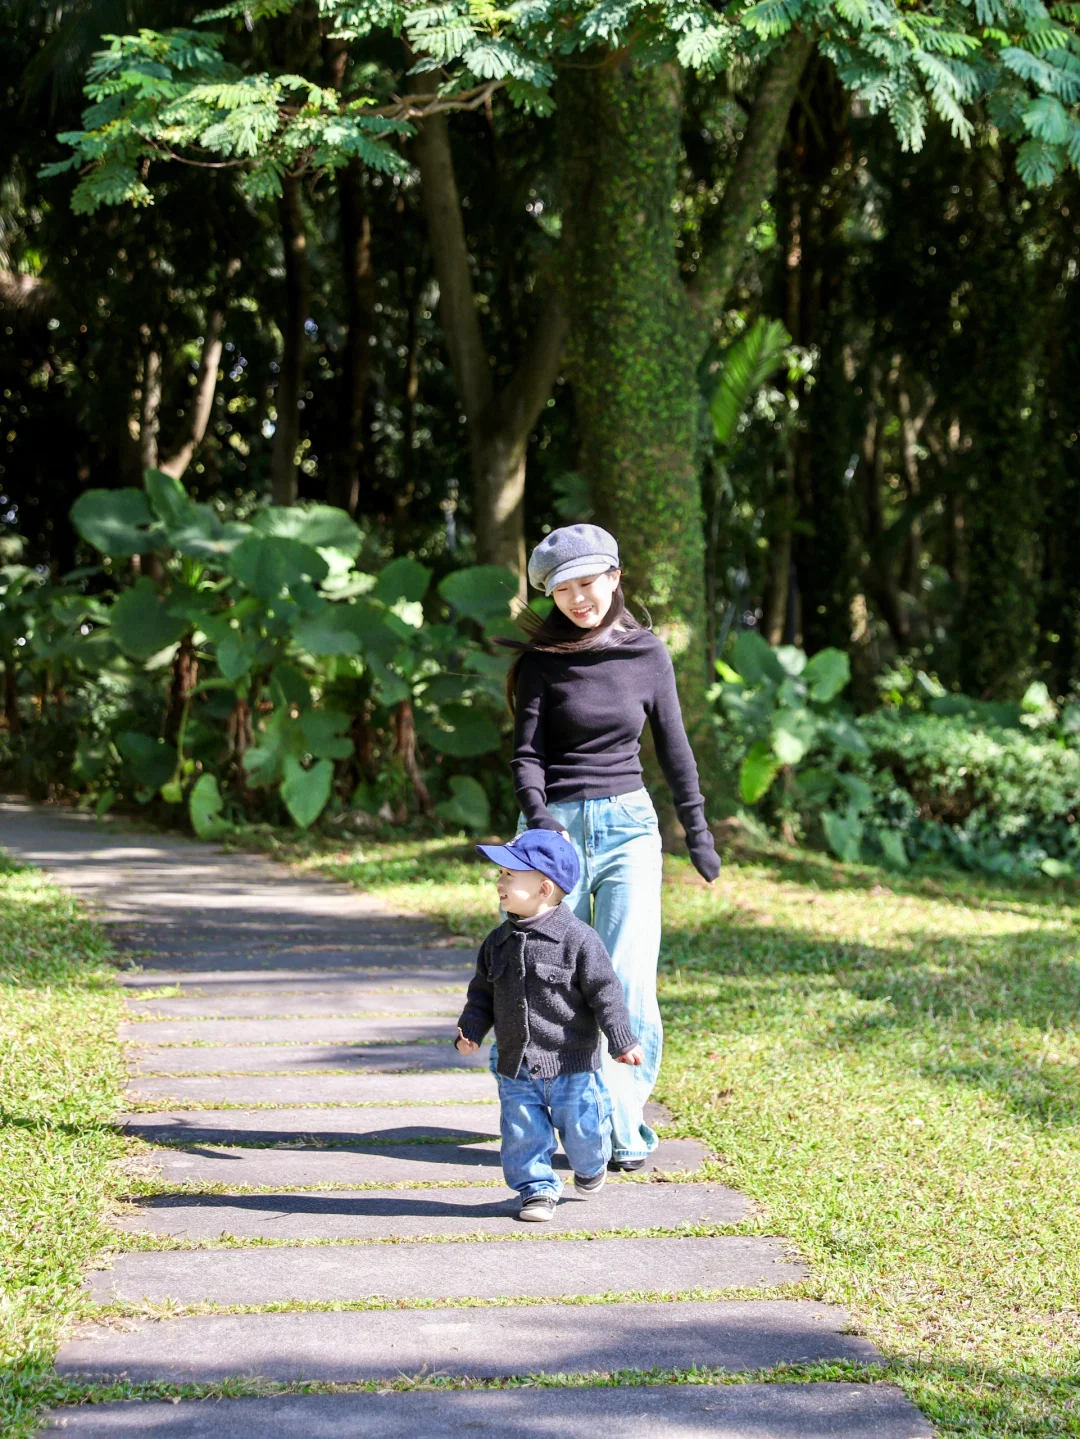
x: 632, y: 1056
x: 465, y: 1046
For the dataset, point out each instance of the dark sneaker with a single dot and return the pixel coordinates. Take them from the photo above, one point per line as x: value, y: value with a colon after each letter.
x: 628, y: 1165
x: 537, y: 1210
x: 589, y: 1186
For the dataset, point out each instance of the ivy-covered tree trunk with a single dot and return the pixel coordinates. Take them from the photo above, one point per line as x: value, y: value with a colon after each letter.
x: 1000, y: 409
x: 633, y: 351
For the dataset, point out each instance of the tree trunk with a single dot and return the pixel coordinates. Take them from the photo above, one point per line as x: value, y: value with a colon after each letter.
x: 185, y: 676
x: 201, y: 405
x: 410, y: 388
x: 289, y: 392
x: 11, y: 697
x: 632, y: 353
x: 149, y: 410
x: 755, y: 167
x: 499, y: 425
x: 359, y: 276
x: 405, y: 749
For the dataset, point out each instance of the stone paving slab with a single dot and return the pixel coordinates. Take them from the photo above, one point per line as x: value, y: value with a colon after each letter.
x: 384, y: 1124
x: 376, y: 1164
x: 329, y: 1273
x: 393, y: 1029
x: 205, y: 1091
x: 244, y: 958
x: 351, y: 1345
x: 309, y: 1004
x: 414, y: 1214
x: 165, y: 886
x: 694, y: 1411
x: 305, y: 1058
x: 403, y: 977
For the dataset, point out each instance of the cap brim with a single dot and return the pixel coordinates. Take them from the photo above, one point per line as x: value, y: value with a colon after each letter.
x: 580, y: 569
x: 502, y: 855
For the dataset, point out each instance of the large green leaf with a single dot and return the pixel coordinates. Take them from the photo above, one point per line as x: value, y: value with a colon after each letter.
x: 463, y: 732
x: 892, y: 847
x: 268, y: 565
x: 748, y: 363
x: 758, y: 771
x: 481, y: 592
x: 203, y: 535
x: 117, y: 522
x: 205, y: 807
x: 793, y: 732
x: 142, y: 623
x: 236, y: 654
x: 827, y: 674
x: 324, y: 733
x: 153, y: 761
x: 168, y: 497
x: 403, y: 579
x: 305, y: 791
x: 322, y: 526
x: 333, y: 631
x: 844, y: 833
x: 468, y: 806
x: 755, y: 659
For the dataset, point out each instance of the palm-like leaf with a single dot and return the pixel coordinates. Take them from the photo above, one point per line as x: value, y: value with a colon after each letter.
x: 748, y: 363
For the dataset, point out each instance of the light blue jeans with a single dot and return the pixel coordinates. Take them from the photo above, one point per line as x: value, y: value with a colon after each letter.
x: 618, y: 843
x: 532, y: 1110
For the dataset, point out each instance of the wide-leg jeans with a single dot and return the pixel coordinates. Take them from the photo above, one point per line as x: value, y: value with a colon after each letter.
x: 618, y: 843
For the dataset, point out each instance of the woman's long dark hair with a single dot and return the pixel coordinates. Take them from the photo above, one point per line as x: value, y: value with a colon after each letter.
x: 558, y: 635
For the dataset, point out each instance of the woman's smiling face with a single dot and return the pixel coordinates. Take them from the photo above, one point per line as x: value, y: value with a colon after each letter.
x: 587, y: 601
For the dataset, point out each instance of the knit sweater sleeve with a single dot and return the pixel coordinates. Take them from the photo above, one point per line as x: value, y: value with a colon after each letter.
x: 529, y: 762
x: 479, y: 1013
x: 680, y: 768
x: 604, y: 994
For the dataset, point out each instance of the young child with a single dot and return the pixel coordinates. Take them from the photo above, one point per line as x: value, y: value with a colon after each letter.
x: 545, y: 981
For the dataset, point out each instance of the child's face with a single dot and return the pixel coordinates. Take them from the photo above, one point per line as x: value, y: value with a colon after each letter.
x: 525, y: 892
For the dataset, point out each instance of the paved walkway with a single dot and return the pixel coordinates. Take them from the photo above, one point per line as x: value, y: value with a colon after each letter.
x: 297, y: 1086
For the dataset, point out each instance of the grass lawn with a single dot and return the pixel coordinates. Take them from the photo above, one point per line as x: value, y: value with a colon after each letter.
x: 891, y: 1067
x: 60, y: 1082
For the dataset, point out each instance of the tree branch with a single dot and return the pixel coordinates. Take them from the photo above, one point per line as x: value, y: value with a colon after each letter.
x: 205, y: 388
x: 516, y: 409
x: 755, y: 166
x: 446, y: 232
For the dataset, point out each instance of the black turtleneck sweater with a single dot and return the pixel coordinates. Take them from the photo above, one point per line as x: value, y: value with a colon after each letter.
x: 578, y: 726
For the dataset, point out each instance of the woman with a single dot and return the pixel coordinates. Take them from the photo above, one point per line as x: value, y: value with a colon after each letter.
x: 583, y: 685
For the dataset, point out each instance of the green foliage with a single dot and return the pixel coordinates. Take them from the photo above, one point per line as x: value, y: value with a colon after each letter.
x: 990, y: 786
x: 746, y: 365
x: 237, y: 677
x: 782, y: 707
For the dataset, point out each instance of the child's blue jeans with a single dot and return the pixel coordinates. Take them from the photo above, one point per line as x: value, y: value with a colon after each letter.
x: 532, y: 1110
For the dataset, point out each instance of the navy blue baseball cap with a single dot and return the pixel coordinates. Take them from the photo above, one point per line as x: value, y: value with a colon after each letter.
x: 542, y: 849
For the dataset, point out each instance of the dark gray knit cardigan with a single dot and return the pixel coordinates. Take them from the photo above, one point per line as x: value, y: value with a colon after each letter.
x: 549, y: 989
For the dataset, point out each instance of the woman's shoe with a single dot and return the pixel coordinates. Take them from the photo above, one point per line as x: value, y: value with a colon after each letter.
x: 627, y: 1165
x: 538, y: 1209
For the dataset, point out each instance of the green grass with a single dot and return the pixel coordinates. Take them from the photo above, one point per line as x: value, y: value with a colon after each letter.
x: 891, y: 1068
x: 60, y: 1079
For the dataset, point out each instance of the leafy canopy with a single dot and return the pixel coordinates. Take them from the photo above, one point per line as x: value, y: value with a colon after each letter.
x: 176, y: 95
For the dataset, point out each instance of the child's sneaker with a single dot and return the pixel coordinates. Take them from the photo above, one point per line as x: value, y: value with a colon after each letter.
x: 589, y: 1186
x: 538, y: 1209
x: 627, y: 1166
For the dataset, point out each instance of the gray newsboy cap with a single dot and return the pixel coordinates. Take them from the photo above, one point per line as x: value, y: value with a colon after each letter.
x: 571, y: 553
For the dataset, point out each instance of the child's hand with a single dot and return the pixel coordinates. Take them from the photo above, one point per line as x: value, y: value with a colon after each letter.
x: 466, y: 1046
x: 632, y: 1056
